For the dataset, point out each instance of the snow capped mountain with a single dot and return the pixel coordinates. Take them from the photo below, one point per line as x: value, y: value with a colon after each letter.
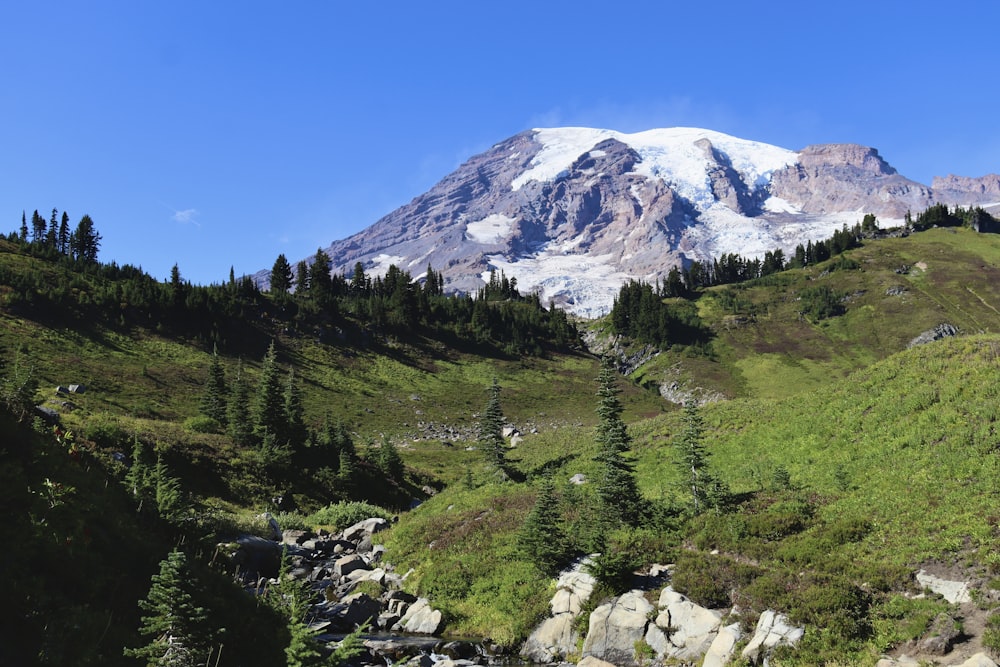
x: 574, y: 212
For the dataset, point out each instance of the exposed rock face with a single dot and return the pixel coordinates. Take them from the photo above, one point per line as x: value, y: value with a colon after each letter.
x: 846, y: 177
x: 966, y: 190
x: 937, y: 333
x: 573, y: 213
x: 556, y: 637
x: 773, y: 629
x: 616, y: 627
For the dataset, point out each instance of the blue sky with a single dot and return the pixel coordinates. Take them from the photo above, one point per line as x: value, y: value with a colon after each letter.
x: 218, y: 134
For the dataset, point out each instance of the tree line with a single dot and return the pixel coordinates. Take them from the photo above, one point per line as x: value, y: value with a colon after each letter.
x: 308, y: 299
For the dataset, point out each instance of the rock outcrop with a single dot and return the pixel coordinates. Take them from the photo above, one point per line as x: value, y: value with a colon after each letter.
x: 556, y: 637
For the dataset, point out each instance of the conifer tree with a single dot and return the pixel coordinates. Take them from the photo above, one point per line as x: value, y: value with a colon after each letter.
x: 238, y: 411
x: 541, y: 537
x: 84, y: 242
x: 295, y: 428
x: 389, y: 460
x: 269, y: 406
x: 693, y: 460
x: 62, y: 239
x: 213, y: 403
x: 139, y: 479
x: 491, y: 432
x: 24, y: 228
x: 617, y: 490
x: 175, y: 625
x: 169, y: 501
x: 281, y: 276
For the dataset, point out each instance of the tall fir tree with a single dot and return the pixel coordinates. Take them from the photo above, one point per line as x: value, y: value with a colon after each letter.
x: 389, y: 461
x: 617, y: 490
x: 294, y: 419
x: 491, y: 439
x: 269, y: 405
x: 176, y: 626
x: 281, y: 276
x: 692, y: 458
x: 213, y: 402
x: 541, y: 537
x: 238, y: 410
x: 62, y: 239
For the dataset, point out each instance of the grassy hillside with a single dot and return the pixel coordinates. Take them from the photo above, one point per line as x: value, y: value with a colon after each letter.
x: 891, y: 290
x: 852, y: 462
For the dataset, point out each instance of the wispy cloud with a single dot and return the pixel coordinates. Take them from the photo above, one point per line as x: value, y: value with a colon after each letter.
x: 188, y: 216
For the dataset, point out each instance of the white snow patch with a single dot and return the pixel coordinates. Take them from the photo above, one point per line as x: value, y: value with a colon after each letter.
x: 490, y: 230
x: 668, y: 154
x: 598, y: 153
x: 779, y: 205
x: 584, y: 285
x: 381, y: 263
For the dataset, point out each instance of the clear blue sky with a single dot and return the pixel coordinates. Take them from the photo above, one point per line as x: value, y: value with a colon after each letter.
x: 218, y: 134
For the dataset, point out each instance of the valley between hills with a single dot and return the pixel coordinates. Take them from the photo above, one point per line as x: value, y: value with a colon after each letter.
x: 816, y: 447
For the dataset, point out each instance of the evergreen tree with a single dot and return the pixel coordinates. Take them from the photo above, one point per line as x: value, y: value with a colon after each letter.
x: 269, y: 406
x: 693, y: 460
x: 491, y: 432
x: 541, y: 537
x: 301, y: 279
x: 213, y: 403
x: 175, y: 625
x: 294, y: 422
x: 52, y: 232
x: 389, y: 460
x: 617, y: 490
x: 238, y: 411
x: 24, y: 228
x: 62, y: 239
x: 84, y: 242
x: 281, y: 276
x: 37, y: 228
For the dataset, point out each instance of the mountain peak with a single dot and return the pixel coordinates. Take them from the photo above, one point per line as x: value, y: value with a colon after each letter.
x: 574, y: 212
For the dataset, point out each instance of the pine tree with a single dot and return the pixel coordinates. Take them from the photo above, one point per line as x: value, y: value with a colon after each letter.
x: 491, y: 432
x: 269, y: 406
x: 693, y: 460
x: 24, y: 228
x: 62, y: 239
x: 281, y: 276
x: 389, y: 460
x: 139, y: 479
x: 175, y: 625
x: 295, y: 428
x: 84, y: 242
x: 617, y: 490
x: 541, y: 537
x: 213, y: 403
x: 238, y: 411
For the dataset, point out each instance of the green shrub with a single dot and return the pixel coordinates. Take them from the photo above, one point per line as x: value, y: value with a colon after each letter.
x: 345, y: 514
x: 106, y: 431
x: 709, y: 580
x: 202, y: 424
x: 991, y: 634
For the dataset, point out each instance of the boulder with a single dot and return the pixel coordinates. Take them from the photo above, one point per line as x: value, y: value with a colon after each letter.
x: 574, y: 589
x: 941, y: 635
x: 357, y: 609
x: 361, y: 529
x: 553, y: 640
x: 691, y: 627
x: 420, y: 619
x: 721, y: 651
x: 954, y: 592
x: 615, y: 627
x: 591, y: 661
x: 773, y: 629
x: 257, y: 557
x: 271, y: 525
x: 347, y: 564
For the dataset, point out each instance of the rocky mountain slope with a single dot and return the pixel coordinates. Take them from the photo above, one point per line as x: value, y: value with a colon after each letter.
x: 572, y: 213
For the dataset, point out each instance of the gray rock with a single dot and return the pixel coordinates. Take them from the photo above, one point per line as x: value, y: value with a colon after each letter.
x: 954, y: 592
x: 691, y: 627
x: 773, y: 629
x: 363, y: 529
x: 552, y: 640
x: 347, y: 564
x: 940, y: 636
x: 722, y: 648
x: 615, y: 627
x: 357, y: 609
x: 937, y: 333
x: 420, y: 619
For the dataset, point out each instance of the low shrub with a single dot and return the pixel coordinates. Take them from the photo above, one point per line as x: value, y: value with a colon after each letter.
x: 338, y: 516
x: 202, y: 424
